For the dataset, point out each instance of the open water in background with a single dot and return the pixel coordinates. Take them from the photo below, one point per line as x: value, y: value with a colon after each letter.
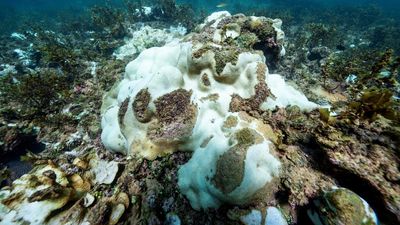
x: 14, y: 12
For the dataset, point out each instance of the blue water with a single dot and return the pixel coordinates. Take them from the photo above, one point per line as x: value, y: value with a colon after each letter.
x: 16, y: 13
x: 51, y: 8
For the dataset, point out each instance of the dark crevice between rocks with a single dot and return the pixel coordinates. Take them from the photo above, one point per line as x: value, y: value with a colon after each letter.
x: 271, y: 54
x: 353, y: 182
x: 282, y: 196
x: 302, y: 216
x: 12, y: 160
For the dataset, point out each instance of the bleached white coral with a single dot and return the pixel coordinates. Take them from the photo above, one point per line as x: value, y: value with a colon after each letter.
x: 273, y: 217
x: 48, y: 195
x: 25, y: 204
x: 185, y: 96
x: 147, y: 37
x: 18, y: 36
x: 7, y: 69
x: 215, y: 18
x: 23, y: 56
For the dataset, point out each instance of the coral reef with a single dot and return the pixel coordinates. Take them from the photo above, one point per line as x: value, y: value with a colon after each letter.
x: 165, y: 107
x: 201, y: 130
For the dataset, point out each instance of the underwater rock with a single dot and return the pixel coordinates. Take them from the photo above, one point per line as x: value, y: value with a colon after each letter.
x: 186, y: 96
x: 357, y: 159
x: 51, y: 195
x: 318, y: 53
x: 301, y: 180
x: 116, y: 214
x: 342, y: 206
x: 14, y: 141
x: 80, y: 163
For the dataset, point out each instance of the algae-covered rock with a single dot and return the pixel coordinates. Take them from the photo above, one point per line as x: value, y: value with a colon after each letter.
x: 342, y: 206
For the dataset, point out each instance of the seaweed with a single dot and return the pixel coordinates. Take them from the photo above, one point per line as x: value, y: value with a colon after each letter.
x: 177, y: 13
x: 374, y: 102
x: 35, y: 95
x: 322, y: 35
x: 110, y: 19
x: 371, y: 69
x: 57, y: 52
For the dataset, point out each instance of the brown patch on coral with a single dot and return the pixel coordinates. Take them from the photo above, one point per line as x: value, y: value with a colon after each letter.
x: 262, y: 27
x: 205, y: 80
x: 224, y: 56
x: 52, y: 192
x: 253, y: 103
x: 13, y: 200
x: 230, y: 122
x: 206, y: 141
x: 230, y: 165
x: 210, y: 97
x: 246, y: 136
x: 261, y: 72
x: 140, y: 106
x: 122, y: 111
x: 200, y: 52
x: 230, y: 169
x: 176, y: 117
x: 344, y: 206
x: 173, y: 106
